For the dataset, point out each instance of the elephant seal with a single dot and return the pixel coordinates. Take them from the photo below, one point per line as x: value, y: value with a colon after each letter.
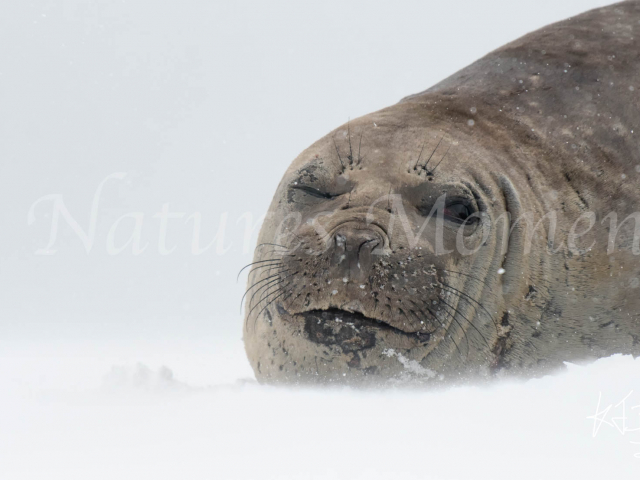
x: 487, y: 226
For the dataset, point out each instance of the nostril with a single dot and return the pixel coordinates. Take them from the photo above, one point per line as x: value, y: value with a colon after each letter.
x: 371, y: 240
x: 353, y: 251
x: 370, y: 244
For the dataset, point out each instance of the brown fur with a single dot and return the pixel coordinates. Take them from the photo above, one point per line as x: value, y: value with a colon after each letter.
x: 553, y: 118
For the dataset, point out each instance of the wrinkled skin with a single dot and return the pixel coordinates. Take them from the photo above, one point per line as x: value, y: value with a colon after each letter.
x: 364, y: 286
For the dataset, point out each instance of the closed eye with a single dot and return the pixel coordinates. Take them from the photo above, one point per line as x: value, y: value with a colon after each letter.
x: 314, y: 192
x: 459, y: 212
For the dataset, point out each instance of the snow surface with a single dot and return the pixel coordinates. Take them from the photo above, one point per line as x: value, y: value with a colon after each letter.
x: 80, y: 412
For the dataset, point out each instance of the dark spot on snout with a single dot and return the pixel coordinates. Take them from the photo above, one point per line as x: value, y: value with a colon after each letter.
x: 531, y: 293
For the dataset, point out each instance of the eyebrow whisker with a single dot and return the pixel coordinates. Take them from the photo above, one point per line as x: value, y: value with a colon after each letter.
x: 415, y: 167
x: 338, y: 152
x: 445, y: 154
x: 434, y: 151
x: 350, y: 149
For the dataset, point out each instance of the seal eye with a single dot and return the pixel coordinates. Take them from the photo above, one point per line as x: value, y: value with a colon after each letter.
x: 314, y: 192
x: 458, y: 212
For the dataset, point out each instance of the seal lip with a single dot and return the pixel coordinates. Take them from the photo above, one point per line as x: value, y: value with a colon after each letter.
x: 361, y: 320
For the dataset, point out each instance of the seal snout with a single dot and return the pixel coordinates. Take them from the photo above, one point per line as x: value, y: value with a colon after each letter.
x: 352, y: 251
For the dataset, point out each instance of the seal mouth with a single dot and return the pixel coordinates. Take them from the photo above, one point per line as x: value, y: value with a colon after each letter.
x: 356, y: 321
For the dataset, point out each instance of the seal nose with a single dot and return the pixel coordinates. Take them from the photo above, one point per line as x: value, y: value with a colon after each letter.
x: 353, y: 251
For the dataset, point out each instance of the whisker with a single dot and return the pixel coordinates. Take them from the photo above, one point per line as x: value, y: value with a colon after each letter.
x: 405, y: 315
x: 267, y: 285
x: 274, y: 244
x: 258, y: 283
x: 445, y: 154
x: 266, y: 294
x: 420, y: 310
x: 282, y: 291
x: 274, y: 251
x: 338, y: 152
x: 255, y: 263
x: 299, y: 293
x: 450, y: 335
x: 467, y: 275
x: 350, y: 149
x: 258, y: 304
x: 279, y: 280
x: 471, y: 299
x: 415, y: 167
x: 453, y: 317
x: 434, y: 151
x: 435, y: 317
x: 269, y: 267
x: 420, y: 320
x: 468, y: 321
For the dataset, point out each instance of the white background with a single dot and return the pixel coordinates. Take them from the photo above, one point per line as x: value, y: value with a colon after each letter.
x: 203, y: 105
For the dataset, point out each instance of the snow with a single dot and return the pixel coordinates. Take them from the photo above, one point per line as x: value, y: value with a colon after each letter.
x: 193, y: 411
x: 411, y: 366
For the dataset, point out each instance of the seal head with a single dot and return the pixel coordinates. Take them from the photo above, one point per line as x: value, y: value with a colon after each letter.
x: 459, y: 233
